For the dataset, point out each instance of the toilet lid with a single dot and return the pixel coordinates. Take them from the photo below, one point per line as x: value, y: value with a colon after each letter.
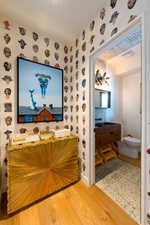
x: 132, y: 139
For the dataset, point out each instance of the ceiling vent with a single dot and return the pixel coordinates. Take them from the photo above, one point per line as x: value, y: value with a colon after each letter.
x: 128, y: 53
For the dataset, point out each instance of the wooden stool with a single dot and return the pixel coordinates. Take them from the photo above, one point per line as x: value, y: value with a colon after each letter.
x: 107, y: 152
x: 98, y: 158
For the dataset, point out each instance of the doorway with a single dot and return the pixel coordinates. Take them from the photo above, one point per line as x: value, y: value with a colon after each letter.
x: 111, y: 162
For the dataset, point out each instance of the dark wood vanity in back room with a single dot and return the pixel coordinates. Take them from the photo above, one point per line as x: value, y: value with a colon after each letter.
x: 107, y: 134
x: 106, y: 137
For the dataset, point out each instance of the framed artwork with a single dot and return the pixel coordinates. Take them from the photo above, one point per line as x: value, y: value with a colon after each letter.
x: 39, y: 92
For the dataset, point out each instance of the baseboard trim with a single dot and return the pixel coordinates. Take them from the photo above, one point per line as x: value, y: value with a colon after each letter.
x: 85, y: 180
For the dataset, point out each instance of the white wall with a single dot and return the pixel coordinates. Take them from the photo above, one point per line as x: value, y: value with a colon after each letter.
x: 131, y: 105
x: 115, y: 112
x: 115, y: 87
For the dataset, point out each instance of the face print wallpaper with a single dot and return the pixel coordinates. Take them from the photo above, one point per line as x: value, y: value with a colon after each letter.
x: 110, y: 20
x: 40, y: 92
x: 20, y: 41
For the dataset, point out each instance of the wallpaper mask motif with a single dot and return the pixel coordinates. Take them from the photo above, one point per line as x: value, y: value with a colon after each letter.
x: 109, y: 21
x: 20, y: 41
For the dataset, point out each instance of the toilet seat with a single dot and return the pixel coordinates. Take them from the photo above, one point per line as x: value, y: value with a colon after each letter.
x: 132, y: 139
x: 130, y: 146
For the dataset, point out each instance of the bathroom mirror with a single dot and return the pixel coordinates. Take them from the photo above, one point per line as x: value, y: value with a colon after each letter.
x: 102, y: 98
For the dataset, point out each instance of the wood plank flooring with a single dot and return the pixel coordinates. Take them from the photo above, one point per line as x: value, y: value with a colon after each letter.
x: 134, y: 162
x: 76, y: 205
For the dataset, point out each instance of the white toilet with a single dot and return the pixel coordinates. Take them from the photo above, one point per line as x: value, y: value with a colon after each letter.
x: 130, y: 147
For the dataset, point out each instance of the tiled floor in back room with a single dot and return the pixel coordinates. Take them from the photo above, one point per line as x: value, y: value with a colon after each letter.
x: 121, y: 182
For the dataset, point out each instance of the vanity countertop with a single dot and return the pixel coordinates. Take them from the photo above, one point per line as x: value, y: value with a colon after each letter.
x: 102, y: 124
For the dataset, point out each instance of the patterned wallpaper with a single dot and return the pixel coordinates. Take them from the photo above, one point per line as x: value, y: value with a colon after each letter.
x: 16, y: 40
x: 103, y: 26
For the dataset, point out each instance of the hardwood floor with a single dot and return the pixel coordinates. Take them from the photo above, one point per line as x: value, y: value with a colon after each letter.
x: 76, y: 205
x: 134, y: 162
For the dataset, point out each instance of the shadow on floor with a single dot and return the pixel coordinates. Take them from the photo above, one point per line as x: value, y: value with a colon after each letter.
x: 3, y: 211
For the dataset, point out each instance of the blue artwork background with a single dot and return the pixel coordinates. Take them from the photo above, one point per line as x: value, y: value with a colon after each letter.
x: 28, y: 81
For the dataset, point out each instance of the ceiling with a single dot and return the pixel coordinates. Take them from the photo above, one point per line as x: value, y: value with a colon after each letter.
x: 123, y: 44
x: 124, y: 54
x: 128, y: 63
x: 61, y: 19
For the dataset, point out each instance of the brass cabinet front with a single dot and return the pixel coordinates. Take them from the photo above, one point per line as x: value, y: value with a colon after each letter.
x: 40, y: 169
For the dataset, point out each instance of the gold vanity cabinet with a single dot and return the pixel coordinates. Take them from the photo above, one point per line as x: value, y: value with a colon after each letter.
x: 37, y: 170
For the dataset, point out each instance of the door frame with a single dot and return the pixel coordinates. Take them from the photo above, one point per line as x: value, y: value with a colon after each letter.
x: 141, y: 22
